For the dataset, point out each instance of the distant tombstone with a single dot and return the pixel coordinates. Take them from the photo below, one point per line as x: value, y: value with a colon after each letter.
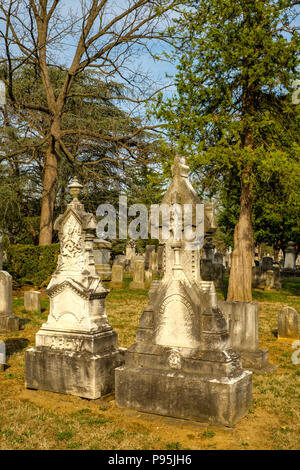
x: 138, y: 271
x: 270, y: 279
x: 102, y: 255
x: 209, y: 249
x: 160, y: 258
x: 153, y: 262
x: 288, y: 323
x: 117, y: 277
x: 267, y: 263
x: 32, y: 301
x: 149, y: 249
x: 7, y: 320
x: 148, y: 278
x: 120, y: 260
x: 130, y: 250
x: 2, y: 355
x: 290, y: 256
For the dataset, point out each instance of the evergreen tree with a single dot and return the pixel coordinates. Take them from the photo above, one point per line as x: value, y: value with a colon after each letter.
x: 233, y: 112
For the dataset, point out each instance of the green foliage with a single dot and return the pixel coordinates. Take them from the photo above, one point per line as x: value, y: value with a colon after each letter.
x: 29, y: 264
x: 233, y: 115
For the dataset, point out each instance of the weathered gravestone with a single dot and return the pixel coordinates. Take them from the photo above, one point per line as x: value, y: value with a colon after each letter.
x: 117, y: 277
x: 138, y: 270
x: 149, y: 249
x: 2, y: 355
x: 76, y: 349
x: 130, y: 250
x: 181, y: 364
x: 148, y: 278
x: 32, y: 301
x: 7, y: 320
x: 242, y: 320
x: 102, y: 257
x: 288, y: 323
x: 290, y: 256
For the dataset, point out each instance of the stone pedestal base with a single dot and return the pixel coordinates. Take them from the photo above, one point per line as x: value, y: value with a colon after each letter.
x: 83, y: 374
x: 9, y: 323
x: 257, y: 361
x: 216, y: 401
x: 137, y: 285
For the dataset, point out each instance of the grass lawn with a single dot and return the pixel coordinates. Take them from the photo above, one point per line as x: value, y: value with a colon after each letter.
x: 42, y: 420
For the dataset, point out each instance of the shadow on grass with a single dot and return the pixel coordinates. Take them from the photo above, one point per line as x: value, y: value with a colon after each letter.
x: 14, y: 345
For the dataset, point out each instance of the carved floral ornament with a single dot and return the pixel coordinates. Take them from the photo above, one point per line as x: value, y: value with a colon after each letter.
x: 174, y: 359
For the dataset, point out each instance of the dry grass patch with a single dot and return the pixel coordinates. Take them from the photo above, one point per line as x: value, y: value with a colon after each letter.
x: 43, y: 420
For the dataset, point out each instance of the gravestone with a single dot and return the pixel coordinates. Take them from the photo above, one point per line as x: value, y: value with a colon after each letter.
x: 130, y: 250
x: 153, y: 263
x: 32, y: 301
x: 288, y: 323
x: 181, y: 364
x: 8, y: 322
x: 138, y: 271
x: 148, y: 278
x: 149, y: 249
x: 102, y: 257
x: 2, y: 355
x: 117, y: 277
x: 76, y: 350
x: 290, y: 256
x: 160, y: 259
x: 242, y: 321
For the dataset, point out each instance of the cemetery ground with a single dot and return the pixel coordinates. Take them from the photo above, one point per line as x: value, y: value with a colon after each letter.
x: 32, y: 419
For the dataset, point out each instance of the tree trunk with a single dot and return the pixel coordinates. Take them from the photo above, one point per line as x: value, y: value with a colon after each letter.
x: 48, y: 194
x: 240, y: 281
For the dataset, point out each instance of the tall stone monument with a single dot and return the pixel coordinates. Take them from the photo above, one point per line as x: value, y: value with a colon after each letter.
x: 76, y: 350
x: 181, y: 364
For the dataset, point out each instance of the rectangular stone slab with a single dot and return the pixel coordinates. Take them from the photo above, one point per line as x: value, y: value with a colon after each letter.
x: 214, y: 401
x: 74, y: 373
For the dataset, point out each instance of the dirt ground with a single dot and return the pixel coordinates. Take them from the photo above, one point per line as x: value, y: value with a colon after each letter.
x: 43, y: 420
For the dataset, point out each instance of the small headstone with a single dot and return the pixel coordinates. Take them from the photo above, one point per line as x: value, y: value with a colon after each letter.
x: 102, y: 255
x: 2, y: 355
x: 148, y: 278
x: 138, y: 274
x: 270, y: 279
x: 290, y: 256
x: 130, y: 250
x: 149, y: 249
x: 32, y: 301
x: 288, y: 323
x: 117, y: 277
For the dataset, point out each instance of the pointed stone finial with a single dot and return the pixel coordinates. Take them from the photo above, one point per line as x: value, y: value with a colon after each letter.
x: 75, y: 188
